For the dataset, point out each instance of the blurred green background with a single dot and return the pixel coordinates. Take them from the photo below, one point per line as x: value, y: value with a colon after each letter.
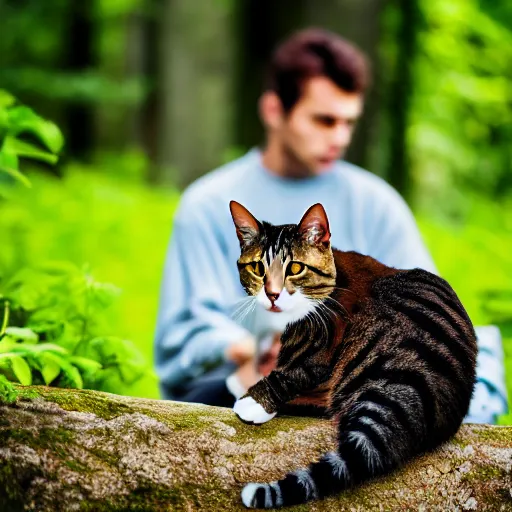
x: 150, y: 94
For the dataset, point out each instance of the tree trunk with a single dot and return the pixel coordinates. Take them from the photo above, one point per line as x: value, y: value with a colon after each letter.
x: 194, y: 88
x: 400, y: 95
x: 79, y: 57
x: 358, y: 21
x: 259, y: 26
x: 65, y: 450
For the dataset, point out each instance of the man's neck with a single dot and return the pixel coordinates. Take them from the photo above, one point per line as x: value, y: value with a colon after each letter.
x: 278, y: 162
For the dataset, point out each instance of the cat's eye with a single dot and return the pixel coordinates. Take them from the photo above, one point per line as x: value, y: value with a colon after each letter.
x: 295, y: 268
x: 256, y: 268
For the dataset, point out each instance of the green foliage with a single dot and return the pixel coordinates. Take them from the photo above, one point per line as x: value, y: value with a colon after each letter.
x: 61, y: 308
x: 86, y: 87
x: 18, y: 122
x: 8, y: 392
x: 476, y: 258
x: 102, y: 219
x: 33, y: 66
x: 54, y: 327
x: 461, y: 114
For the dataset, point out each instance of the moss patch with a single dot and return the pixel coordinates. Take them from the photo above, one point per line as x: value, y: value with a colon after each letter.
x: 85, y: 401
x: 56, y: 439
x: 156, y: 498
x: 498, y: 435
x: 177, y: 416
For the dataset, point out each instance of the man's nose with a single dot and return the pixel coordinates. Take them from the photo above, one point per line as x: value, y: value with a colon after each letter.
x: 341, y: 135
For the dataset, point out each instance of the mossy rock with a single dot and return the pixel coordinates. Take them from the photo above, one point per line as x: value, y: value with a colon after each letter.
x: 65, y: 450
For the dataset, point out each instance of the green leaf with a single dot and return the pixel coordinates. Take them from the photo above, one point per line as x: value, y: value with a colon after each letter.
x: 4, y: 125
x: 14, y: 173
x: 48, y: 347
x: 9, y: 164
x: 22, y: 333
x: 22, y: 370
x: 74, y: 379
x: 8, y: 160
x: 6, y: 99
x: 25, y: 120
x: 131, y: 371
x: 50, y: 369
x: 27, y: 150
x: 6, y: 345
x: 8, y: 355
x: 8, y: 393
x: 72, y: 374
x: 85, y: 363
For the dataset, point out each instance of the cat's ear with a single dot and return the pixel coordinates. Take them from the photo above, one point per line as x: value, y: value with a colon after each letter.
x: 247, y: 227
x: 314, y: 226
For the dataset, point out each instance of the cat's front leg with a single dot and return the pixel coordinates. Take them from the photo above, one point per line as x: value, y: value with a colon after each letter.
x: 263, y: 400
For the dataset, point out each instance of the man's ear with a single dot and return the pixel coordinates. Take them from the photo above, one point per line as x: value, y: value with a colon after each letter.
x: 247, y: 227
x: 314, y: 226
x: 271, y: 110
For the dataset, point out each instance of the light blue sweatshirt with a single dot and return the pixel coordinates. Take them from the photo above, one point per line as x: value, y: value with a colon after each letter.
x: 201, y: 282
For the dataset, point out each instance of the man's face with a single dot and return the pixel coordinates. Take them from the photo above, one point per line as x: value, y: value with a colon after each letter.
x: 318, y: 129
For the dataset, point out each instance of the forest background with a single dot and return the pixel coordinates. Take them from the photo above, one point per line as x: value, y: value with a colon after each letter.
x: 151, y: 94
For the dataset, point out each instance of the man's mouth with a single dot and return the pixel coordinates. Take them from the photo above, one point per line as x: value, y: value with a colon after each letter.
x: 326, y: 161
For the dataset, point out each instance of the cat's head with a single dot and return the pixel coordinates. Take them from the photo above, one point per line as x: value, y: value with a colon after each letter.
x: 288, y: 268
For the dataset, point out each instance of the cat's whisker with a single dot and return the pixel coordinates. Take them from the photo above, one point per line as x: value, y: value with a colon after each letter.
x: 250, y: 309
x: 317, y: 312
x: 336, y: 307
x: 244, y: 307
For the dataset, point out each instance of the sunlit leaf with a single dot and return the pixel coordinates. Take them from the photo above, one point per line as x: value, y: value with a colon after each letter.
x: 8, y: 160
x: 50, y: 369
x: 85, y: 364
x: 27, y: 150
x: 6, y: 99
x: 22, y: 370
x: 48, y: 347
x: 22, y: 333
x: 14, y: 173
x: 24, y: 120
x: 72, y: 374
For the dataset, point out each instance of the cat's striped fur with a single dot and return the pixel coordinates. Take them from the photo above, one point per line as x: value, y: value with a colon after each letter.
x: 389, y: 354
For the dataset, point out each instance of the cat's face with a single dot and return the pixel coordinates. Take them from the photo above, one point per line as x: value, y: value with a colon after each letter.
x: 288, y: 269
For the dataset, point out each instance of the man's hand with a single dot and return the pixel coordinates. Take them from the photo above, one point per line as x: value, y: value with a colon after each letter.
x: 268, y: 360
x: 241, y: 351
x: 251, y: 371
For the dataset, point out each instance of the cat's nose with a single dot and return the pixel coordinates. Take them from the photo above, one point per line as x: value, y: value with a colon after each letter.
x: 272, y: 296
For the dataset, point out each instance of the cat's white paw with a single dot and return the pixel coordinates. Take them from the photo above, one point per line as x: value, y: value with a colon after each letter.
x: 270, y: 498
x: 249, y: 495
x: 247, y: 409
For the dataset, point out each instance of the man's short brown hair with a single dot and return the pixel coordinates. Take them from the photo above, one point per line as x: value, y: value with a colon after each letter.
x: 315, y: 52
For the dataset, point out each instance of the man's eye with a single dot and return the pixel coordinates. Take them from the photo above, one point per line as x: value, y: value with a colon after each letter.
x: 256, y: 268
x: 295, y: 268
x: 325, y: 121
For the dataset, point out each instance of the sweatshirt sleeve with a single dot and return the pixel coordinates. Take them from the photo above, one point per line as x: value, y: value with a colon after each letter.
x: 394, y: 235
x: 194, y: 325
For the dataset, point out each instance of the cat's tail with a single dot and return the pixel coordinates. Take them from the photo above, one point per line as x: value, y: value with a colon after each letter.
x: 368, y: 446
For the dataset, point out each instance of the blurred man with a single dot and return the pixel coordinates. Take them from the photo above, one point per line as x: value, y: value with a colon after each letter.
x: 313, y: 97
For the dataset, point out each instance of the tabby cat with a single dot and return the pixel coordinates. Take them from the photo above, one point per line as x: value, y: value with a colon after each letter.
x: 388, y: 354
